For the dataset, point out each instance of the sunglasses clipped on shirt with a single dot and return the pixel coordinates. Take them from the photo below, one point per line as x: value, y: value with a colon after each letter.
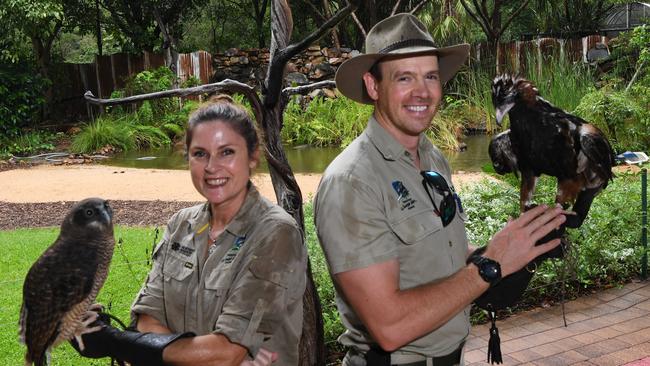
x: 447, y: 209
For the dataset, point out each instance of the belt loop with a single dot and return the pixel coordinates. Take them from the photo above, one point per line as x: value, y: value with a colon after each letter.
x: 429, y: 361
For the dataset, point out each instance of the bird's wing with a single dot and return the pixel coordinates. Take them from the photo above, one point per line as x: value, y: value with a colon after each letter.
x: 60, y: 279
x: 596, y: 148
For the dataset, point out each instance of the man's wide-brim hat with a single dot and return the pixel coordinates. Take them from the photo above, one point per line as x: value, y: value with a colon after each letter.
x: 398, y: 35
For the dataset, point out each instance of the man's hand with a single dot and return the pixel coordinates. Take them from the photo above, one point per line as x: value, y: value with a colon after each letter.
x: 264, y: 358
x: 514, y: 246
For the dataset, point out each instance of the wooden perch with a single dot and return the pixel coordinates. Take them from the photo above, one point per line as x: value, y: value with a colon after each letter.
x: 305, y: 89
x: 226, y: 85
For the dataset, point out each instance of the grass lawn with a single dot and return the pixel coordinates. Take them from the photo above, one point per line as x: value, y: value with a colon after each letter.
x: 22, y: 247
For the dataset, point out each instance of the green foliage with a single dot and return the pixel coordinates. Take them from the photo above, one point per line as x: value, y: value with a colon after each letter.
x: 21, y: 97
x: 324, y: 122
x: 559, y: 80
x: 619, y: 116
x: 331, y: 319
x: 630, y: 51
x: 120, y: 132
x: 150, y: 81
x: 606, y: 245
x: 26, y: 144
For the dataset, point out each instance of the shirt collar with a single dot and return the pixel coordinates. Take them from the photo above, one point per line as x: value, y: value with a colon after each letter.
x: 242, y: 221
x: 388, y: 146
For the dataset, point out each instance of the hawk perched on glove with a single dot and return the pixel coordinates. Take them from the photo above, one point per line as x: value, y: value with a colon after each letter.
x: 63, y: 283
x: 544, y: 139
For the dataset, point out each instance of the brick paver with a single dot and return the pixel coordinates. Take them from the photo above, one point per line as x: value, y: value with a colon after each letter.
x: 611, y: 327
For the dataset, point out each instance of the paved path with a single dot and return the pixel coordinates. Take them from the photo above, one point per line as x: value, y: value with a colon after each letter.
x: 611, y: 327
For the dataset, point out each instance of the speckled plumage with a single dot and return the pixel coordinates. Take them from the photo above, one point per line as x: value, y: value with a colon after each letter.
x: 65, y: 280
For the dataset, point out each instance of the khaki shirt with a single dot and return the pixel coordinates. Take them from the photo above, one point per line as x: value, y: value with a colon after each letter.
x: 371, y: 207
x: 249, y: 288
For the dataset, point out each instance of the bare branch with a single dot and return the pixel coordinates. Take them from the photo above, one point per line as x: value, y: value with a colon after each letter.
x: 356, y: 20
x: 395, y: 7
x: 482, y: 13
x: 512, y: 17
x: 475, y: 17
x: 305, y: 89
x: 228, y: 85
x: 296, y: 48
x: 418, y: 7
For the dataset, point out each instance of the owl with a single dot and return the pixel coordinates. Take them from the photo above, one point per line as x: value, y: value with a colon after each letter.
x: 61, y: 286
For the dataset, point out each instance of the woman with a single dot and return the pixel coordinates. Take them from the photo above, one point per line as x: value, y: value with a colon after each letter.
x: 229, y: 275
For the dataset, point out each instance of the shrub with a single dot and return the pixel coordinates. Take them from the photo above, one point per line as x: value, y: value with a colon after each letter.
x: 21, y: 97
x: 324, y: 122
x: 605, y: 248
x: 121, y: 132
x: 619, y: 116
x: 25, y: 144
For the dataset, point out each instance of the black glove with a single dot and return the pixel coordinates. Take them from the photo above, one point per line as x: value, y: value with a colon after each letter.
x: 131, y: 346
x: 510, y: 289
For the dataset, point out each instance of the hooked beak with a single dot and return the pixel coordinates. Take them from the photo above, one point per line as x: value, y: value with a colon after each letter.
x: 502, y: 110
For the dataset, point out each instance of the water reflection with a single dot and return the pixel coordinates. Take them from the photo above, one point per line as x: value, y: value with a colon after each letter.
x: 302, y: 160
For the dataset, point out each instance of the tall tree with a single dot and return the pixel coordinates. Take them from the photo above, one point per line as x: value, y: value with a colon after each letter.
x: 491, y: 22
x: 41, y: 21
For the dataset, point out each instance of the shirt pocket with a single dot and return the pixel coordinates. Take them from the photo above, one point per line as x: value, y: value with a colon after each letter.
x: 217, y: 283
x: 415, y: 226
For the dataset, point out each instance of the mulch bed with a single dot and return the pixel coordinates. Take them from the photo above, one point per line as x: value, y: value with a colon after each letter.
x: 129, y: 213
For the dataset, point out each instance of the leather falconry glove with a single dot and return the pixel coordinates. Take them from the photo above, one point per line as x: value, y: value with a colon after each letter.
x: 136, y: 348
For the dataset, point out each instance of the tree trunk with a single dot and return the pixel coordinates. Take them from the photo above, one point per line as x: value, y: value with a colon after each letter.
x: 98, y: 28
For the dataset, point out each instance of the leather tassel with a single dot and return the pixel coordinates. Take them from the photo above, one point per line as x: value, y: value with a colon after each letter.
x: 494, y: 344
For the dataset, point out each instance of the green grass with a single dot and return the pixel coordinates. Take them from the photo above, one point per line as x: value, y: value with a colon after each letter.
x: 122, y: 132
x: 22, y: 247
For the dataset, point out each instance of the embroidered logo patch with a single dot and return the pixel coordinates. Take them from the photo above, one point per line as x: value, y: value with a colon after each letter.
x: 232, y: 252
x: 186, y: 251
x: 403, y: 195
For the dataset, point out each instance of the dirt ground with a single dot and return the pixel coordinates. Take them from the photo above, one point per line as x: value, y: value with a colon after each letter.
x: 42, y: 194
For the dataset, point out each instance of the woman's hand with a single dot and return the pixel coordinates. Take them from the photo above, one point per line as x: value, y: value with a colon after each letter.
x: 264, y: 358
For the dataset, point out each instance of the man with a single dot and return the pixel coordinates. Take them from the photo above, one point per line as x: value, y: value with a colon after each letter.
x: 389, y: 222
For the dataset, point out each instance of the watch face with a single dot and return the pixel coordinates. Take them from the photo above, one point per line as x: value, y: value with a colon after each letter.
x: 491, y: 270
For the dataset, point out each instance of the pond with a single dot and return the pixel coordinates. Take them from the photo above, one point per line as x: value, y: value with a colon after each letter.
x: 302, y: 159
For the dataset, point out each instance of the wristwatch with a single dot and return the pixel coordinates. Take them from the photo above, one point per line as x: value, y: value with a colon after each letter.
x: 488, y: 269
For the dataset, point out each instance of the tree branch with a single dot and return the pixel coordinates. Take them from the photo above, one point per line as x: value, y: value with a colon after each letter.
x: 512, y: 17
x: 482, y: 12
x: 296, y: 48
x: 358, y: 23
x: 418, y: 7
x: 395, y: 7
x: 225, y: 85
x: 474, y: 16
x: 305, y: 89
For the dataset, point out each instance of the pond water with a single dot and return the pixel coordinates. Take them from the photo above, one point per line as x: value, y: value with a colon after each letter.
x: 302, y: 159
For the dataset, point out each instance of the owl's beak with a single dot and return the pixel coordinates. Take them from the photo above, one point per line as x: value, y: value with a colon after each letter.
x: 107, y: 212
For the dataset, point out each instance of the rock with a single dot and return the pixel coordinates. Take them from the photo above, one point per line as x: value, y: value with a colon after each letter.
x: 296, y: 78
x: 231, y: 52
x: 321, y: 71
x: 335, y: 60
x: 291, y: 67
x: 316, y: 93
x: 329, y: 93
